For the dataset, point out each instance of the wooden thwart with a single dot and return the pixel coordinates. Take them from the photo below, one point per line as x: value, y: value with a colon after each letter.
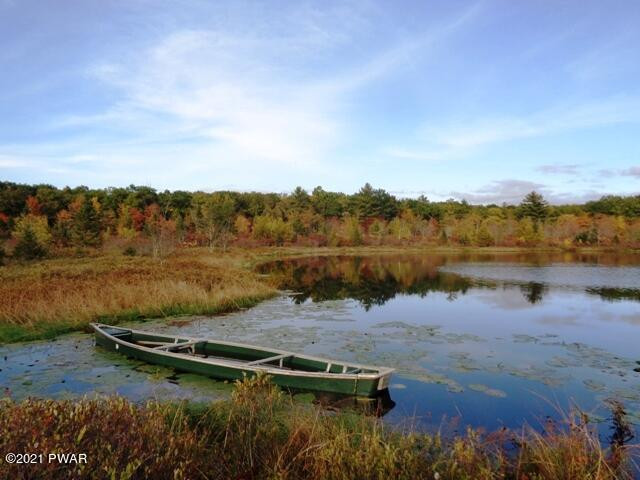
x: 149, y: 343
x: 171, y: 346
x: 271, y: 359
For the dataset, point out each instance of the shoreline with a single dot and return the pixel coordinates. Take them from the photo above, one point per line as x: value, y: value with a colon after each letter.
x: 62, y: 295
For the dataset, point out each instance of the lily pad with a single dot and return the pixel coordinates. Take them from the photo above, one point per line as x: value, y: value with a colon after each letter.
x: 494, y: 392
x: 478, y: 387
x: 397, y: 386
x: 594, y: 385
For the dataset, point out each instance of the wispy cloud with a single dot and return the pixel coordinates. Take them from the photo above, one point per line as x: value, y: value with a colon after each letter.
x: 463, y: 135
x: 609, y: 111
x: 512, y: 191
x: 215, y: 87
x: 210, y: 94
x: 13, y: 162
x: 250, y: 97
x: 631, y: 172
x: 559, y: 169
x: 501, y: 191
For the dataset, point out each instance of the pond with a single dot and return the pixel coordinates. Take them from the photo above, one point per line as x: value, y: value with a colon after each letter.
x: 476, y: 339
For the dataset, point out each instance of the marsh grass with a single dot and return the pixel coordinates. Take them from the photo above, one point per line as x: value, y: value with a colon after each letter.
x: 260, y: 433
x: 47, y: 298
x: 572, y: 448
x: 44, y: 299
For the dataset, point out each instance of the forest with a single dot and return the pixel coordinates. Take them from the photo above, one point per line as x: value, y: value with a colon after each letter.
x: 41, y: 220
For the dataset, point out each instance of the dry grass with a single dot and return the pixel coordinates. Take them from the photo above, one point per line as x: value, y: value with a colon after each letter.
x: 120, y: 440
x: 50, y: 297
x: 47, y: 298
x: 261, y: 434
x: 575, y: 451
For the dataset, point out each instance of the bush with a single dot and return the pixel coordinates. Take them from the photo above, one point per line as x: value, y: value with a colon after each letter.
x: 352, y: 232
x: 28, y: 247
x: 121, y: 440
x: 261, y: 433
x: 272, y: 229
x: 129, y: 252
x: 484, y: 238
x: 377, y: 230
x: 400, y: 228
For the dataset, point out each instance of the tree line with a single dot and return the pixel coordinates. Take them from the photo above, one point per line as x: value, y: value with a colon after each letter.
x: 40, y: 220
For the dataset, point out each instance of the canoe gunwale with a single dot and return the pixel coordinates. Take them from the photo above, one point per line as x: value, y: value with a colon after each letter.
x: 241, y: 365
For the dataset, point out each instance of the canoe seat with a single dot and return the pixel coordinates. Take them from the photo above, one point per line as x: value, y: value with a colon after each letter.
x: 271, y: 359
x: 355, y: 370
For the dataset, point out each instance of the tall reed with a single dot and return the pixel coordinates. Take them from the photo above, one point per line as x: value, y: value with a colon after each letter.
x: 261, y: 433
x: 54, y: 296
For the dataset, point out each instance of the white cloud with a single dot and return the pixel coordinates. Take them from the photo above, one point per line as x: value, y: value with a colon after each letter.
x: 217, y: 88
x: 631, y: 172
x: 557, y: 169
x: 512, y: 191
x: 610, y: 111
x: 509, y: 191
x: 464, y: 135
x: 13, y: 162
x: 254, y: 96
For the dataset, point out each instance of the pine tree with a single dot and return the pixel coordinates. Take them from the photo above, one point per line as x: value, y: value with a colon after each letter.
x: 534, y: 206
x: 370, y: 202
x: 86, y: 225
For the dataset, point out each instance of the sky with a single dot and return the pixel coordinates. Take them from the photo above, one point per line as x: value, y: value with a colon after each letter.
x: 482, y: 100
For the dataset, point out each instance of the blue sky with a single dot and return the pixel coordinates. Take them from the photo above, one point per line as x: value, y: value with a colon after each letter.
x: 483, y: 100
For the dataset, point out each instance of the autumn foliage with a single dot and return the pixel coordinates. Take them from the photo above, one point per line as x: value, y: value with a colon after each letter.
x: 262, y: 433
x: 87, y: 219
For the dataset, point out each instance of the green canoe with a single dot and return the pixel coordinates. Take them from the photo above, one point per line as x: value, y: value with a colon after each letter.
x: 230, y: 361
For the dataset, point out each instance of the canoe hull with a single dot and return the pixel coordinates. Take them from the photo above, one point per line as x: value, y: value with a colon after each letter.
x: 358, y: 385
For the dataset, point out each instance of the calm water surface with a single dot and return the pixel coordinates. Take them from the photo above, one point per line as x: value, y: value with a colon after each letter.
x: 482, y: 340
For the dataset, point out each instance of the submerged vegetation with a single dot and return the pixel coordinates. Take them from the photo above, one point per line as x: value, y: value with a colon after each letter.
x: 261, y: 433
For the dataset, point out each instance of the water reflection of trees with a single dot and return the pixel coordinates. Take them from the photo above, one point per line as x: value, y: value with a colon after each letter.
x: 533, y: 291
x: 370, y: 280
x: 615, y: 294
x: 374, y: 280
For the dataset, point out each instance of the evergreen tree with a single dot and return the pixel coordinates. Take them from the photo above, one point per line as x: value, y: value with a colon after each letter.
x: 300, y: 199
x: 370, y: 202
x: 327, y: 204
x: 534, y: 206
x: 86, y: 225
x: 28, y: 247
